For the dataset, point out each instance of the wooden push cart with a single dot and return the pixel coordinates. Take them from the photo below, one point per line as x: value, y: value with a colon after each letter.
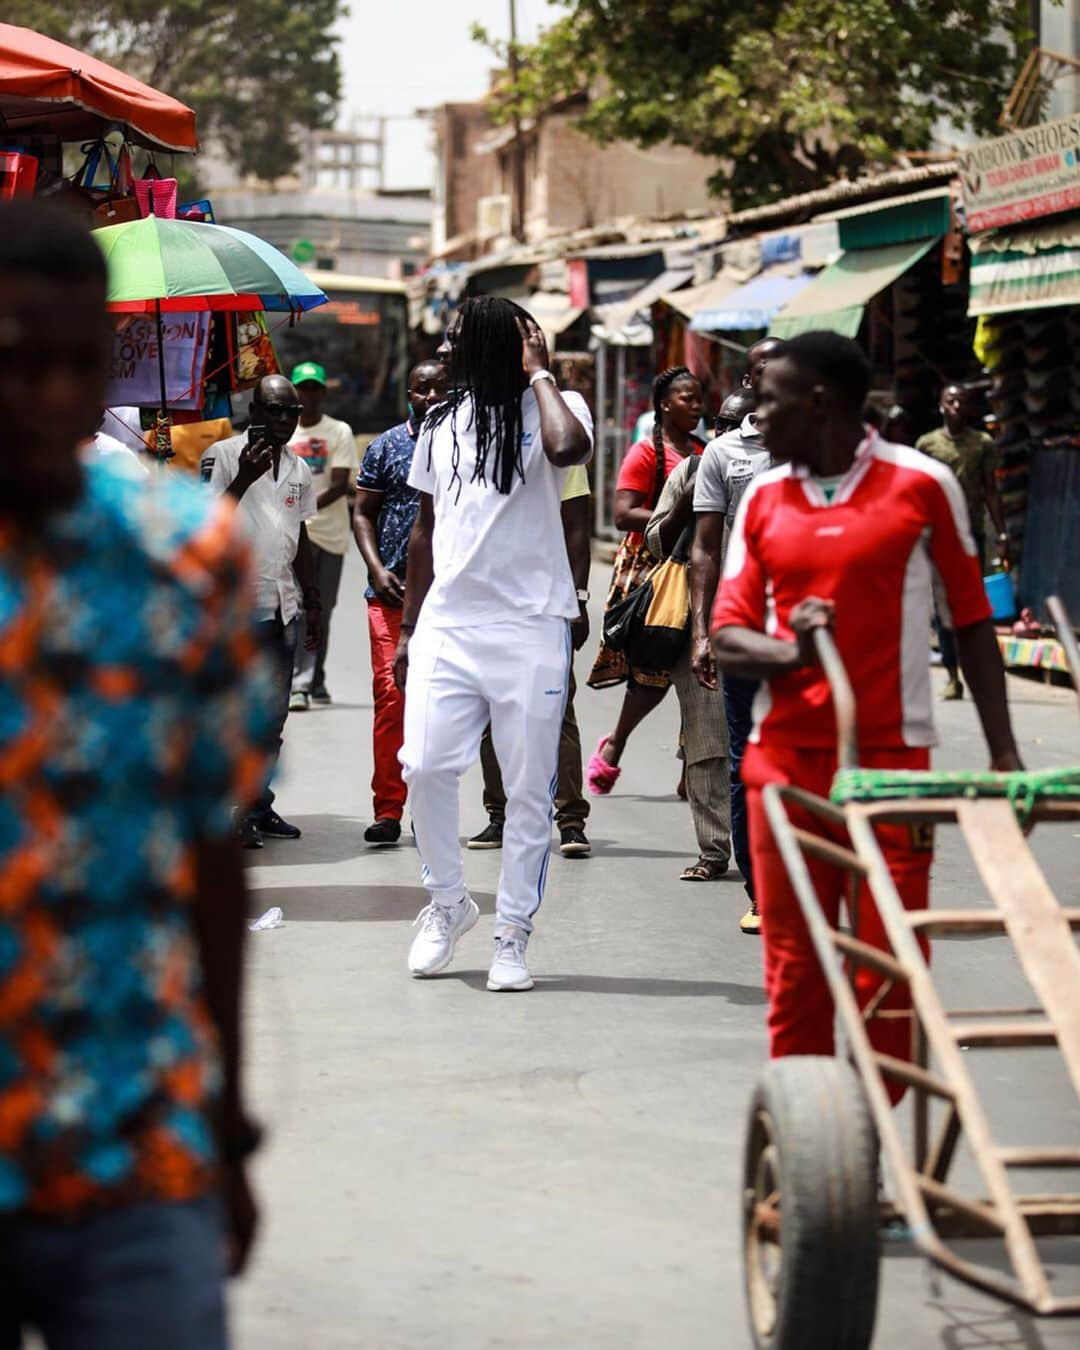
x: 813, y: 1212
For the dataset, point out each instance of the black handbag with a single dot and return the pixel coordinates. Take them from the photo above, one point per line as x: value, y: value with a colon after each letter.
x: 651, y: 625
x: 628, y: 615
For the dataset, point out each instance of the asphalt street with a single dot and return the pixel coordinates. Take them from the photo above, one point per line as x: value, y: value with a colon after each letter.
x: 453, y: 1168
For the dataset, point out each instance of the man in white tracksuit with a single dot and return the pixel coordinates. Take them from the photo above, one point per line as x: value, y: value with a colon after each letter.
x: 485, y: 631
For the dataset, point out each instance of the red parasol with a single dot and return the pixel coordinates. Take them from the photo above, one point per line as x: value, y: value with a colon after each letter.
x: 45, y: 85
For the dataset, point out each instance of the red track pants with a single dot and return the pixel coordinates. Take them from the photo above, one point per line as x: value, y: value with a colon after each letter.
x: 387, y: 784
x: 800, y: 1005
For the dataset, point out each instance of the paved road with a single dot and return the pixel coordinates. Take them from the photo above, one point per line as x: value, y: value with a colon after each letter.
x: 560, y: 1169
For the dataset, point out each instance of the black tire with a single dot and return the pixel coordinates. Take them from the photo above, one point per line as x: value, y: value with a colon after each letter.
x: 811, y: 1142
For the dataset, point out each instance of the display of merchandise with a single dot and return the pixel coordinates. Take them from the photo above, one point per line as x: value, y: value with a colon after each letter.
x: 1032, y: 361
x: 932, y: 340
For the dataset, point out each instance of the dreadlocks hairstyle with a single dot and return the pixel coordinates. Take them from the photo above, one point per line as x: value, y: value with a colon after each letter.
x: 661, y: 385
x: 486, y: 372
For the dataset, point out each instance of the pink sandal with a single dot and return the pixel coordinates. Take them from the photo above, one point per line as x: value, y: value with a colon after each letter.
x: 601, y: 776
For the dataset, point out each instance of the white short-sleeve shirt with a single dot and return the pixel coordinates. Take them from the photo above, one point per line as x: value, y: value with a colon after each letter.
x: 495, y: 556
x: 271, y: 512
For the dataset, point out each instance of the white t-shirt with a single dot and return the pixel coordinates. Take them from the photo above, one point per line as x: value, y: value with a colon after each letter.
x: 496, y: 556
x: 271, y: 511
x: 328, y: 445
x: 104, y: 446
x: 124, y: 424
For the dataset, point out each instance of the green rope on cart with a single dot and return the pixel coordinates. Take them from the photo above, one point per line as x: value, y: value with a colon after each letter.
x: 1024, y: 789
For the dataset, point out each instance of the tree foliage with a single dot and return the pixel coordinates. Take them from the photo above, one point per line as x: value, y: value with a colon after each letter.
x: 255, y: 73
x: 787, y: 94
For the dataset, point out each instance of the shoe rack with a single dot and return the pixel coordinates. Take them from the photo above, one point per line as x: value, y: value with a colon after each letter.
x: 1032, y: 364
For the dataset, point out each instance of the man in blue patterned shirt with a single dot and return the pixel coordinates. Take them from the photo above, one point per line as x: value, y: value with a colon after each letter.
x: 134, y: 716
x: 383, y: 517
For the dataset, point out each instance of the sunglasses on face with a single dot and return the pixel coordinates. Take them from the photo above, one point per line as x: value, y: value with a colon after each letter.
x: 283, y: 409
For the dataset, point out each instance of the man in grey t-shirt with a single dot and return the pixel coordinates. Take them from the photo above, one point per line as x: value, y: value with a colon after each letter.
x: 729, y: 464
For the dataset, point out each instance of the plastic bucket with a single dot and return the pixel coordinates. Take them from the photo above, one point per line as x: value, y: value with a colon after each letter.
x: 999, y: 591
x: 18, y: 173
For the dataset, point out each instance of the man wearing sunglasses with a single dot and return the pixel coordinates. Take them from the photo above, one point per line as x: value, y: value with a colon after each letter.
x: 275, y: 494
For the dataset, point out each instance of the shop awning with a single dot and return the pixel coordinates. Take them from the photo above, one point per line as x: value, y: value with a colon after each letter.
x: 618, y: 323
x: 751, y: 306
x: 1033, y: 268
x: 836, y: 298
x: 896, y: 220
x: 45, y: 83
x: 708, y: 295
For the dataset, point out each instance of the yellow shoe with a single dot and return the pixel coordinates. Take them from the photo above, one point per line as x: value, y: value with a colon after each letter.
x: 751, y: 920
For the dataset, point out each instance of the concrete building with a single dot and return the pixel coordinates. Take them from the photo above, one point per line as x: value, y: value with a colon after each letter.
x: 332, y: 212
x: 1059, y: 31
x: 571, y: 183
x: 378, y: 234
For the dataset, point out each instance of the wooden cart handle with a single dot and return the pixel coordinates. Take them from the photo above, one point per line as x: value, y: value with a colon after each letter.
x: 843, y: 696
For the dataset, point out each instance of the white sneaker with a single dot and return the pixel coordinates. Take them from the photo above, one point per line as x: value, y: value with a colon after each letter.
x: 299, y: 701
x: 508, y: 968
x: 440, y: 927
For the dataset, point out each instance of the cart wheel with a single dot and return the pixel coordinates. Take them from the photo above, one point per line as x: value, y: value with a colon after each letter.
x: 810, y: 1220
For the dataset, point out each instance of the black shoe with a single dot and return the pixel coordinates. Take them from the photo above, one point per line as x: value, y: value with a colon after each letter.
x: 383, y: 832
x: 489, y: 837
x: 273, y: 827
x: 249, y: 834
x: 320, y: 694
x: 572, y: 842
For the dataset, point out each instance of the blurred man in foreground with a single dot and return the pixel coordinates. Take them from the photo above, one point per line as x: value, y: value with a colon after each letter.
x: 134, y: 718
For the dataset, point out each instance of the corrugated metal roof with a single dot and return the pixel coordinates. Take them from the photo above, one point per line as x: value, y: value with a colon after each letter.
x: 874, y: 185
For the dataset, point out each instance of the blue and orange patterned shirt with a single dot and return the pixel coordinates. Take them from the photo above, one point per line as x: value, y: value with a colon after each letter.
x: 132, y: 717
x: 385, y: 469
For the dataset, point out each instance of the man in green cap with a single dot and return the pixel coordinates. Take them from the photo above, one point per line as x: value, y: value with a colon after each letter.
x: 327, y: 446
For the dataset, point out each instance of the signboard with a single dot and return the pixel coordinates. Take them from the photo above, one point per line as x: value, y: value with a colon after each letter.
x: 134, y: 372
x: 303, y: 251
x: 1027, y: 174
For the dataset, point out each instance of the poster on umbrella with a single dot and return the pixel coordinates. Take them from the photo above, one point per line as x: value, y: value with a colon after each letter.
x: 134, y: 376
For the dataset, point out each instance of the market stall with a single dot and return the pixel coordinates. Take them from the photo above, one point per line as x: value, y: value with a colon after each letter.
x: 189, y: 296
x: 1022, y: 201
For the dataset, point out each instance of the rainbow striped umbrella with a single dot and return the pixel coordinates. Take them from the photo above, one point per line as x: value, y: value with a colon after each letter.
x: 158, y: 265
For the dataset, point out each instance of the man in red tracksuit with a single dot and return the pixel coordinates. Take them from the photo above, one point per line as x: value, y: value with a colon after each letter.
x: 847, y: 534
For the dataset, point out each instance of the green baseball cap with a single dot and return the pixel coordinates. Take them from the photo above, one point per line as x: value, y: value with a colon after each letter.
x: 306, y: 372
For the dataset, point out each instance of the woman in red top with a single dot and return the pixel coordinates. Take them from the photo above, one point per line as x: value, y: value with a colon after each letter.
x: 677, y: 403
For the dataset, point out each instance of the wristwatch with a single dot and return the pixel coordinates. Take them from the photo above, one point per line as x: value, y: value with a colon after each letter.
x: 582, y: 595
x: 541, y: 375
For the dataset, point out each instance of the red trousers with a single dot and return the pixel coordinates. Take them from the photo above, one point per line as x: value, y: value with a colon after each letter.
x: 387, y: 784
x: 800, y: 1005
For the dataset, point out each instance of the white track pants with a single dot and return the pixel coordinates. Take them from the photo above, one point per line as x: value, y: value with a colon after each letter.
x: 513, y: 674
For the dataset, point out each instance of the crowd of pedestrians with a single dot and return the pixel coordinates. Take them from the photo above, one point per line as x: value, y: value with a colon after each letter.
x: 155, y: 633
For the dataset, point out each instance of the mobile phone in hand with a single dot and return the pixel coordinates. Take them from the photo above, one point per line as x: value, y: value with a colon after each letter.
x: 256, y: 432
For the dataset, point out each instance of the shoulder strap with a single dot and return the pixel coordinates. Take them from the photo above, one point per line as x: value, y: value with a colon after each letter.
x: 660, y: 475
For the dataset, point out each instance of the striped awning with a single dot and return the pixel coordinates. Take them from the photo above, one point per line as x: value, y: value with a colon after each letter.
x: 1033, y: 268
